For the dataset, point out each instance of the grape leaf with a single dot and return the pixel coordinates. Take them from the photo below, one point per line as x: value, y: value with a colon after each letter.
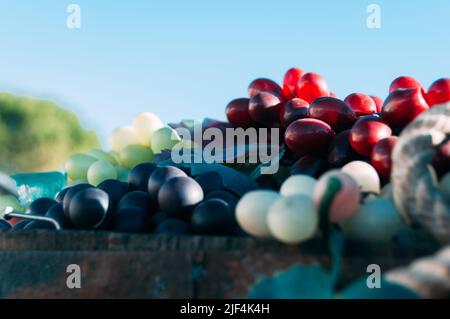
x: 298, y: 282
x: 315, y: 282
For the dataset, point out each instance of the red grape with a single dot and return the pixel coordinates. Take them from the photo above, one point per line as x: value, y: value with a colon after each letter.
x: 265, y: 108
x: 290, y: 82
x: 366, y: 133
x: 378, y: 102
x: 381, y: 155
x: 362, y: 104
x: 312, y: 86
x: 294, y: 109
x: 441, y: 162
x: 265, y: 85
x: 402, y: 106
x: 308, y: 136
x: 332, y: 111
x: 404, y: 82
x: 238, y: 115
x: 439, y: 92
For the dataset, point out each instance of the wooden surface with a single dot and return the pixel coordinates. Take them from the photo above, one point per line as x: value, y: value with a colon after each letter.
x: 33, y: 264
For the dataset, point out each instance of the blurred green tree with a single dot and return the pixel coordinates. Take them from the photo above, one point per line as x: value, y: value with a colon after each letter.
x: 38, y: 135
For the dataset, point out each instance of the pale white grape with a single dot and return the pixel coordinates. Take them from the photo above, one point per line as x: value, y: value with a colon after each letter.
x: 145, y: 124
x: 101, y: 171
x: 298, y: 184
x: 122, y: 137
x: 164, y: 138
x: 132, y: 155
x: 252, y: 210
x: 293, y: 219
x: 77, y: 166
x: 365, y: 175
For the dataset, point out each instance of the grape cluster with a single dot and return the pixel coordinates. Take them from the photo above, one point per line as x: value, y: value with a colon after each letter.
x: 335, y: 169
x: 163, y: 200
x: 131, y: 145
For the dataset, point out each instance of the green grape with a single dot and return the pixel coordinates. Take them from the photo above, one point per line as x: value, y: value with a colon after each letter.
x: 116, y: 156
x: 122, y: 173
x: 103, y: 156
x: 101, y: 171
x: 122, y: 137
x: 9, y: 201
x: 145, y: 124
x: 377, y: 221
x: 164, y: 139
x: 132, y: 155
x: 75, y: 182
x: 78, y: 165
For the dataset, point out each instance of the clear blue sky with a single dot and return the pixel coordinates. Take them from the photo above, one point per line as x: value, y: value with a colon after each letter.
x: 187, y: 59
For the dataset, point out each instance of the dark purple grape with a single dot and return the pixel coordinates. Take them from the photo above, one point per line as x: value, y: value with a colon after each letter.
x: 178, y: 196
x: 57, y: 213
x: 60, y: 196
x: 268, y: 182
x: 340, y: 151
x: 210, y: 182
x: 4, y: 225
x: 132, y: 220
x: 173, y: 227
x: 21, y: 225
x: 228, y: 197
x: 40, y: 224
x: 71, y: 192
x: 115, y: 189
x: 89, y: 208
x: 159, y: 217
x: 309, y: 165
x: 140, y: 200
x: 160, y: 176
x: 139, y: 175
x: 40, y: 206
x: 213, y: 217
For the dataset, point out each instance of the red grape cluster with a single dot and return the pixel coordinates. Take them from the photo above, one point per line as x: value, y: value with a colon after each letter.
x: 322, y: 131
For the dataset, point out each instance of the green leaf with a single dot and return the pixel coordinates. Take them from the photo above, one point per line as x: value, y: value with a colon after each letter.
x: 298, y: 282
